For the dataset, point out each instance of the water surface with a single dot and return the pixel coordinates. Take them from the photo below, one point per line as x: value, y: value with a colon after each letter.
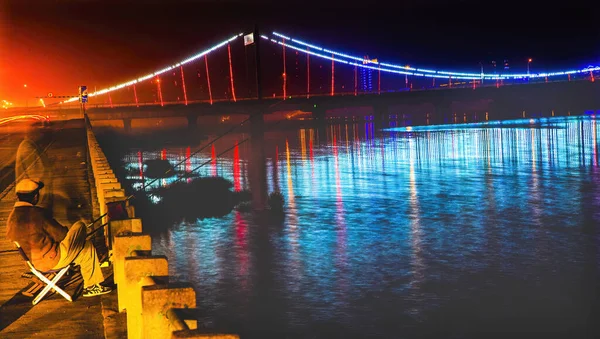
x: 458, y: 232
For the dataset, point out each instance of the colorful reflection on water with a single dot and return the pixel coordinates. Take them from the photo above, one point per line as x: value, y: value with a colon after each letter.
x: 396, y: 233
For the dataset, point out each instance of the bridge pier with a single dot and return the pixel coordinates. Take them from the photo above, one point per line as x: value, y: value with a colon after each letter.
x: 318, y: 113
x: 192, y: 120
x: 127, y: 125
x: 381, y: 112
x: 443, y: 113
x: 257, y: 167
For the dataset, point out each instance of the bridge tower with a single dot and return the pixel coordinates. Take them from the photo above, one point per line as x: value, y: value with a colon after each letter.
x: 366, y: 77
x: 257, y: 168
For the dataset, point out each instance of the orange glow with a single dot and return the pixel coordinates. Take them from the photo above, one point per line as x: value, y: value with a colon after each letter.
x: 529, y: 60
x: 23, y: 117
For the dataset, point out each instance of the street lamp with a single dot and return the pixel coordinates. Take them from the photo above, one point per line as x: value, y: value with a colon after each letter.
x: 528, y: 63
x: 481, y: 64
x: 26, y: 99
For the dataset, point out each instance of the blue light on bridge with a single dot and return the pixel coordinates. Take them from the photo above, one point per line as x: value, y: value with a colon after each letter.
x: 392, y: 68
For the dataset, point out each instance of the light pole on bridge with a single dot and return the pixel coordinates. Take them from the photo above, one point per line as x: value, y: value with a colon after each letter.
x: 481, y: 65
x: 257, y: 171
x: 26, y: 98
x: 257, y: 39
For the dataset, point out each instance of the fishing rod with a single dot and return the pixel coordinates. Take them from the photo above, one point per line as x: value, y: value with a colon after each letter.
x: 223, y: 152
x: 212, y: 142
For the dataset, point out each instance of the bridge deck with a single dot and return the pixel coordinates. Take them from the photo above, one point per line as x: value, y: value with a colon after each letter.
x: 53, y: 317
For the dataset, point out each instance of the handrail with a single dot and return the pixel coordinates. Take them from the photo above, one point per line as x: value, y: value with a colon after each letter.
x: 486, y: 84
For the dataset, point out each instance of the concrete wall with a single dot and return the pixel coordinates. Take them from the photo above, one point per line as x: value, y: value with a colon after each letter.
x: 156, y: 307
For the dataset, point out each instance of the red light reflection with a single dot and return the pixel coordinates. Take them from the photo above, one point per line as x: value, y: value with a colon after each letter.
x: 236, y: 168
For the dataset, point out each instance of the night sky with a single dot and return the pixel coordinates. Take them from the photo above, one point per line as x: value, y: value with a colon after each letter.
x: 58, y: 45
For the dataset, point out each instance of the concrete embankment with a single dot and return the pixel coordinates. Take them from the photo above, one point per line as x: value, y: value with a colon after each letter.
x: 53, y: 317
x: 153, y: 305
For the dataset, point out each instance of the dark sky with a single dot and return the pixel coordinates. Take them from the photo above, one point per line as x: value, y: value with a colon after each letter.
x: 57, y: 45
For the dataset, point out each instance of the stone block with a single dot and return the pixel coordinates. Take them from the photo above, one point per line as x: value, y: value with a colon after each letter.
x: 107, y: 180
x: 108, y: 198
x: 105, y: 177
x: 157, y: 300
x: 113, y: 194
x: 109, y: 186
x: 135, y: 268
x: 134, y: 311
x: 116, y: 227
x: 105, y: 172
x: 122, y: 247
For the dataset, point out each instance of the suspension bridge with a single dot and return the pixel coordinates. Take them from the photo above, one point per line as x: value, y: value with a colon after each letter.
x: 227, y: 78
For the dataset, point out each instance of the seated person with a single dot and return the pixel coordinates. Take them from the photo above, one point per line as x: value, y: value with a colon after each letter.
x: 48, y: 244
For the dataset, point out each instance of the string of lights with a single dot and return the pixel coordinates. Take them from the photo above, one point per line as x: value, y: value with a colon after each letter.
x: 164, y: 70
x: 407, y: 70
x: 343, y: 58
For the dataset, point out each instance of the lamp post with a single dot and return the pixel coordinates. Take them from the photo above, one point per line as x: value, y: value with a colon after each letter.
x: 26, y: 99
x: 481, y: 64
x: 528, y: 63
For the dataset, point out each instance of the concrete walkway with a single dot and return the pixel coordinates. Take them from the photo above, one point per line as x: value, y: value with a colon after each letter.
x: 53, y: 317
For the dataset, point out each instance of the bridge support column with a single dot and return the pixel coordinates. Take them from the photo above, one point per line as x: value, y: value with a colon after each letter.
x: 192, y: 120
x: 257, y: 167
x: 318, y: 113
x: 381, y: 112
x: 127, y: 125
x: 443, y: 113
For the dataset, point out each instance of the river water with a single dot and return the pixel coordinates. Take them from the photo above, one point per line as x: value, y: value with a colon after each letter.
x: 465, y: 231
